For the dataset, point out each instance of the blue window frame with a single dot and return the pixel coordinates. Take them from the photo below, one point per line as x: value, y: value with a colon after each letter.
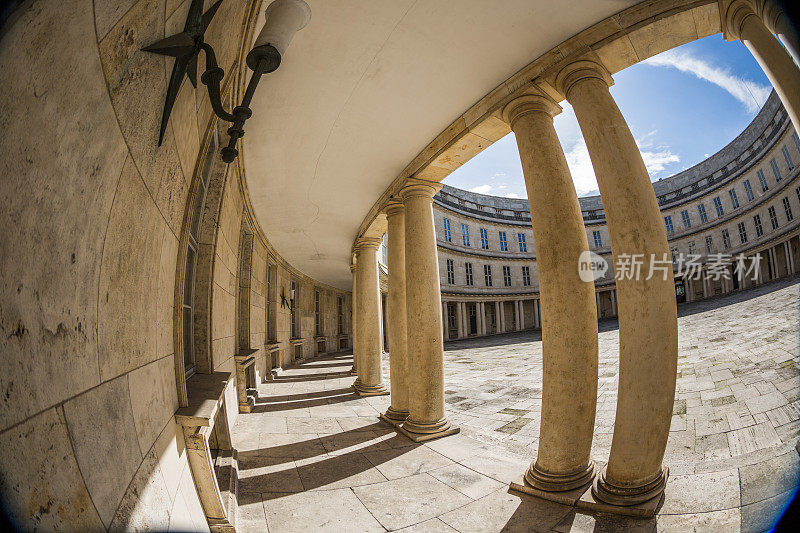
x: 763, y: 181
x: 503, y: 242
x: 447, y: 236
x: 484, y: 239
x: 687, y: 222
x: 598, y: 239
x: 701, y: 209
x: 465, y: 234
x: 774, y: 166
x: 742, y: 232
x: 668, y: 225
x: 523, y: 246
x: 734, y: 198
x: 748, y: 190
x: 718, y: 206
x: 787, y: 157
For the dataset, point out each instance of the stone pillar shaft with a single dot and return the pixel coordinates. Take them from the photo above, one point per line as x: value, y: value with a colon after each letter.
x: 354, y: 329
x: 396, y: 329
x: 568, y: 314
x: 426, y: 418
x: 370, y: 341
x: 648, y: 326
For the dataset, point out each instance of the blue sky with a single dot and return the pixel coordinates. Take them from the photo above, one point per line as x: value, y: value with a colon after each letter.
x: 682, y: 106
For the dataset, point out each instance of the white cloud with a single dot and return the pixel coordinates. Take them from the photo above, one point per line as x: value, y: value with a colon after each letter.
x: 512, y: 195
x: 580, y: 166
x: 751, y: 94
x: 657, y: 161
x: 481, y: 189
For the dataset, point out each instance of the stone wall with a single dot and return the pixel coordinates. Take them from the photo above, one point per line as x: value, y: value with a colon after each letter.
x: 94, y: 216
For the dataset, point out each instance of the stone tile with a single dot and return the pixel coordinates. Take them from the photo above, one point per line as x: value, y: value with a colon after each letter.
x: 712, y: 491
x: 503, y: 469
x: 295, y: 445
x: 769, y: 477
x: 250, y: 514
x: 761, y: 516
x: 312, y: 425
x: 146, y: 504
x: 268, y: 474
x: 403, y: 502
x: 506, y: 511
x: 154, y: 399
x: 397, y: 463
x: 338, y: 471
x: 333, y: 511
x: 466, y: 481
x: 576, y: 522
x: 108, y: 464
x: 711, y: 522
x: 767, y: 402
x: 434, y: 525
x: 752, y: 438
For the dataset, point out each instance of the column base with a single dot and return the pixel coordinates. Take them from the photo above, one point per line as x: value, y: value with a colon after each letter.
x: 370, y: 390
x: 546, y: 481
x: 353, y: 371
x: 393, y: 416
x: 605, y: 491
x: 423, y: 431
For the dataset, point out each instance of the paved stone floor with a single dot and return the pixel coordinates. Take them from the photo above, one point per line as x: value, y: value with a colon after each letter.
x: 314, y: 457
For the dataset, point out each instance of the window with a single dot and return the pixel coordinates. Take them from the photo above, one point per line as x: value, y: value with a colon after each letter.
x: 796, y: 141
x: 447, y: 236
x: 317, y: 315
x: 762, y: 180
x: 726, y: 239
x: 468, y: 268
x: 788, y: 208
x: 598, y: 239
x: 503, y: 242
x: 709, y: 244
x: 797, y: 190
x: 757, y: 224
x: 465, y: 234
x: 687, y: 223
x: 742, y: 232
x: 451, y: 276
x: 718, y: 206
x: 692, y: 248
x: 773, y: 218
x: 748, y: 190
x: 487, y: 275
x: 523, y: 246
x: 526, y: 276
x: 507, y: 276
x: 673, y: 252
x: 668, y: 224
x: 787, y: 157
x: 340, y: 315
x: 268, y: 312
x: 484, y: 239
x: 734, y: 198
x: 701, y: 208
x: 774, y: 166
x: 294, y: 296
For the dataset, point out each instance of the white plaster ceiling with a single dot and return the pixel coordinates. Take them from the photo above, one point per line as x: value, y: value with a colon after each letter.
x: 363, y: 89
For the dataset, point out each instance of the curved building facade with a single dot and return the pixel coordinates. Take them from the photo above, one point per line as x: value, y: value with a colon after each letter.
x: 743, y: 200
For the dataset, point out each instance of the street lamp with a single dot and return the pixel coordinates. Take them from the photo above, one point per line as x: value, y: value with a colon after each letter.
x: 284, y: 18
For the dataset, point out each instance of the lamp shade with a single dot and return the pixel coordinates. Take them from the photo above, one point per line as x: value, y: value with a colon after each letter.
x: 284, y: 18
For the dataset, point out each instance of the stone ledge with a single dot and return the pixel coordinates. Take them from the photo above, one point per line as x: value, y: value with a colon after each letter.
x: 206, y: 393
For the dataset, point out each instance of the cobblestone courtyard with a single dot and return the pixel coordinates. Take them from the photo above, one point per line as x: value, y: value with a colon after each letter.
x: 731, y: 452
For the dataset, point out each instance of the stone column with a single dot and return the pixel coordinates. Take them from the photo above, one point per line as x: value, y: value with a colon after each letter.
x: 445, y: 326
x: 465, y: 311
x: 775, y: 18
x: 479, y: 317
x: 789, y: 258
x: 614, y: 302
x: 536, y: 319
x: 354, y: 300
x: 648, y: 321
x: 568, y: 314
x: 739, y: 21
x: 460, y: 319
x: 521, y: 315
x: 426, y: 419
x: 483, y: 318
x: 368, y: 319
x: 503, y: 316
x: 396, y: 330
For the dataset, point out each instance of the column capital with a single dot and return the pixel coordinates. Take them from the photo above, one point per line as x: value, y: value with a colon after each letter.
x: 579, y: 70
x: 415, y: 187
x: 530, y: 103
x: 732, y: 16
x: 365, y: 243
x: 394, y: 207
